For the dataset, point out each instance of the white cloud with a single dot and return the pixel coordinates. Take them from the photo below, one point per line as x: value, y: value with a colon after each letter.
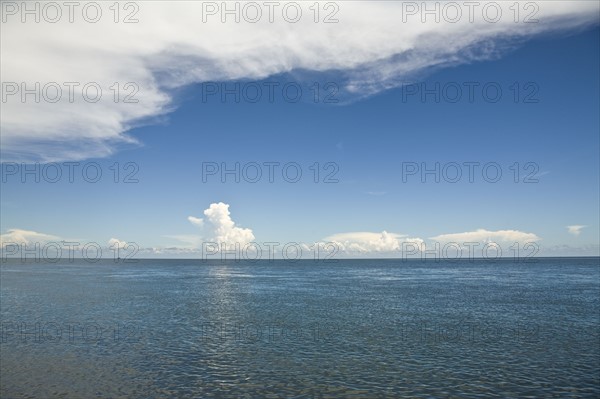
x: 223, y: 227
x: 370, y: 50
x: 116, y: 243
x: 219, y: 228
x: 367, y: 242
x: 26, y: 237
x: 196, y: 221
x: 482, y: 235
x: 575, y: 229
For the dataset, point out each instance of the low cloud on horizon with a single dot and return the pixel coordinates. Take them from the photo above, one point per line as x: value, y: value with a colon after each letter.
x: 219, y: 227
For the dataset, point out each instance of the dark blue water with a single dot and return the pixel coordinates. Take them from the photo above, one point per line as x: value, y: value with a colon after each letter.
x: 361, y: 328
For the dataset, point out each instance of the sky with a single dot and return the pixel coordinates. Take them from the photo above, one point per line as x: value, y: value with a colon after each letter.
x: 375, y: 132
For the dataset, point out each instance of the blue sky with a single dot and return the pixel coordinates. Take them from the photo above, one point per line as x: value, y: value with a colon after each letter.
x: 368, y: 138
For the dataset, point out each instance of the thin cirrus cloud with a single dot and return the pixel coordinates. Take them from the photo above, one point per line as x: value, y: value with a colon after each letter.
x: 369, y: 50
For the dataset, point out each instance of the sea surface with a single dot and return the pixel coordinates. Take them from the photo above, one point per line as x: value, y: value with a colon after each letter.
x: 280, y: 329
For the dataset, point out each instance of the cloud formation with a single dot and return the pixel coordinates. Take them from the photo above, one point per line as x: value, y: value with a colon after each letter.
x: 368, y: 242
x: 575, y: 229
x: 483, y: 235
x: 25, y: 237
x: 116, y: 243
x: 372, y: 48
x: 220, y: 227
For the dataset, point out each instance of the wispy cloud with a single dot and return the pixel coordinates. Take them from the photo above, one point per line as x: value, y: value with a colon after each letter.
x: 370, y: 49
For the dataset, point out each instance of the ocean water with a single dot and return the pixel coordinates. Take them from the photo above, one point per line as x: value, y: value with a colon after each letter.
x: 351, y: 329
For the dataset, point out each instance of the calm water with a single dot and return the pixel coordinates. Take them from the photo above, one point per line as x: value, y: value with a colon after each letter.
x: 365, y: 328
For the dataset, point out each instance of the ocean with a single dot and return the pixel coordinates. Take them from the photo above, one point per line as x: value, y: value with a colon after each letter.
x: 278, y: 329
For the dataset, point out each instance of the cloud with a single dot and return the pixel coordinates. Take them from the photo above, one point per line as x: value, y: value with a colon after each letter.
x: 367, y: 242
x: 25, y: 237
x: 224, y: 228
x: 482, y: 235
x: 219, y: 228
x: 369, y: 50
x: 196, y: 221
x: 116, y: 243
x: 575, y: 229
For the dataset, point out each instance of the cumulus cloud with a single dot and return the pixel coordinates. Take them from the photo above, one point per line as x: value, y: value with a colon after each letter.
x: 575, y: 229
x: 482, y: 235
x: 116, y: 243
x: 367, y: 242
x: 224, y: 228
x: 218, y: 226
x: 370, y: 49
x: 25, y: 237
